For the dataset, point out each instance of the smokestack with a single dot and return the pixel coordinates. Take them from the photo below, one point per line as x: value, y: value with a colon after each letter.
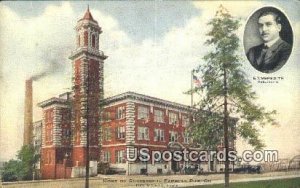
x: 28, y: 127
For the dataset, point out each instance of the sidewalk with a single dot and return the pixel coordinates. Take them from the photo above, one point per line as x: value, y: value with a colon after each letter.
x: 109, y: 181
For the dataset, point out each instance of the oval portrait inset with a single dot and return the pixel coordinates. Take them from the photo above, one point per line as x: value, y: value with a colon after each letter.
x: 268, y: 39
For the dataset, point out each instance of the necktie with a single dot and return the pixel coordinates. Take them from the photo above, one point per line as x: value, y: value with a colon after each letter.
x: 260, y: 59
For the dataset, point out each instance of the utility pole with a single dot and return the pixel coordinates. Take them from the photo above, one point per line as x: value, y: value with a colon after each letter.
x: 226, y: 129
x: 87, y: 152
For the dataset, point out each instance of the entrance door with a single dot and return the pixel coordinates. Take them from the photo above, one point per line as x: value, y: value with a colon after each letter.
x: 175, y: 166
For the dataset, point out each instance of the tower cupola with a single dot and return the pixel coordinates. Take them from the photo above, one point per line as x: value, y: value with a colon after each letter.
x: 87, y: 36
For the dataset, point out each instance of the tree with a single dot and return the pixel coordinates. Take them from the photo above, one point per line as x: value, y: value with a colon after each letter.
x: 23, y: 167
x: 227, y: 106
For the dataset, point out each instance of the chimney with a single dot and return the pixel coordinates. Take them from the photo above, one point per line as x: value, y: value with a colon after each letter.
x: 28, y: 125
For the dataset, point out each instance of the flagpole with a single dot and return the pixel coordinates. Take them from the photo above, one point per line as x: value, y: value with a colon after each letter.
x: 192, y: 92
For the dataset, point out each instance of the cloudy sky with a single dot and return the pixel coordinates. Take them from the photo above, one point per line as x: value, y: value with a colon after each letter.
x: 152, y: 48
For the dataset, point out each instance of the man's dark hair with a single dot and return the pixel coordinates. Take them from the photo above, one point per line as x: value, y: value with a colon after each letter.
x: 274, y: 14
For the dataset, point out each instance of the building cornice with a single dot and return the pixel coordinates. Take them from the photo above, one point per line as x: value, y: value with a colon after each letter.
x: 53, y: 100
x: 144, y: 98
x: 87, y: 51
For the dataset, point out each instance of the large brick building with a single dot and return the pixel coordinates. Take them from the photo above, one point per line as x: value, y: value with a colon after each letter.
x: 117, y: 125
x: 132, y: 120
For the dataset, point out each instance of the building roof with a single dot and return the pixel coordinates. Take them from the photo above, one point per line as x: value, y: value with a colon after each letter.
x: 53, y: 100
x: 62, y: 99
x: 88, y: 15
x: 144, y: 98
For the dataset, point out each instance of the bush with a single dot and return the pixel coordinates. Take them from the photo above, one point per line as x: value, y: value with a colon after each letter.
x: 22, y: 168
x: 11, y: 170
x: 103, y: 168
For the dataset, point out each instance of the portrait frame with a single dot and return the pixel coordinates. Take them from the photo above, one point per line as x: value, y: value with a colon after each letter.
x: 252, y: 38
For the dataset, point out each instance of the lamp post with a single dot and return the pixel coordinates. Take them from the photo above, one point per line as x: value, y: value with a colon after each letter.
x: 147, y: 163
x: 148, y: 138
x: 65, y: 163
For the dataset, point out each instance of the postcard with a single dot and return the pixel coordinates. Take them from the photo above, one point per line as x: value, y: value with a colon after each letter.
x: 150, y: 93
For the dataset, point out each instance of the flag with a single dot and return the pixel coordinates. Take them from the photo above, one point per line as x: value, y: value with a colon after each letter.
x: 196, y: 81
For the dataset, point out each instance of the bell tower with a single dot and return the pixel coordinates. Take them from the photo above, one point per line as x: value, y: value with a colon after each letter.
x: 87, y: 85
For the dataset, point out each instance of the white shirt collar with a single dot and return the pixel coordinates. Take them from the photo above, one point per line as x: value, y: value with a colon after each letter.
x: 270, y: 43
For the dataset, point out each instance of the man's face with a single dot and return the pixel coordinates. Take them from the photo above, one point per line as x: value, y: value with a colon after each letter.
x: 268, y: 28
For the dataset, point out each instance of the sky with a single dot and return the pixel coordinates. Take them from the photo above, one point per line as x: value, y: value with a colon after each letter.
x: 152, y: 46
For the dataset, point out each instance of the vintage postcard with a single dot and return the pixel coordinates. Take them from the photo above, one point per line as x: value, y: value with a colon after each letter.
x: 150, y: 93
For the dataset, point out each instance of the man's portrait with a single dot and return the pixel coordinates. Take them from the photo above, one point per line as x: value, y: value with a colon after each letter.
x: 274, y: 46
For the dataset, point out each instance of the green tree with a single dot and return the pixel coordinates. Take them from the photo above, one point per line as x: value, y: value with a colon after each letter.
x: 227, y: 106
x: 23, y: 167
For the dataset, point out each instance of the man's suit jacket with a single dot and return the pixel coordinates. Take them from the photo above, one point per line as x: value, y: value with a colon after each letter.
x: 271, y: 60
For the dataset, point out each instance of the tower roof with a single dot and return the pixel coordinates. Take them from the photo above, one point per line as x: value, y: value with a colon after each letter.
x: 88, y: 15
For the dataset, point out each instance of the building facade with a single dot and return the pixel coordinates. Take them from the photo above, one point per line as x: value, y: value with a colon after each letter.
x: 133, y: 121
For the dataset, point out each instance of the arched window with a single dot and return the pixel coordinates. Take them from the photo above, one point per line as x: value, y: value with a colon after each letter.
x: 85, y: 38
x: 93, y: 41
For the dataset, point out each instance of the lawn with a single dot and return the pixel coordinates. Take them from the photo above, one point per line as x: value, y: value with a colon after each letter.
x: 282, y: 183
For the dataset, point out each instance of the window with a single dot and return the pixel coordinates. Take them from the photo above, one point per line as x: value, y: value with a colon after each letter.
x: 66, y: 133
x: 159, y: 116
x: 120, y: 132
x: 106, y: 134
x: 77, y: 135
x: 78, y: 40
x: 93, y: 41
x: 186, y: 138
x: 120, y: 114
x: 85, y: 38
x: 143, y: 133
x: 48, y: 133
x: 65, y: 116
x: 106, y: 156
x: 185, y: 121
x: 120, y: 156
x: 173, y: 136
x: 159, y: 135
x: 49, y: 116
x: 173, y: 118
x: 48, y: 158
x: 106, y: 116
x: 143, y: 112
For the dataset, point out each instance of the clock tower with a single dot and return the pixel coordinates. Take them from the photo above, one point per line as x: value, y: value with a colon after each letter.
x: 87, y: 82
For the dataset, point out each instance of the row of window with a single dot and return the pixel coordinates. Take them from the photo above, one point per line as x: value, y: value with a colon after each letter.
x: 144, y: 113
x: 120, y: 156
x: 65, y: 116
x: 66, y: 134
x: 143, y: 134
x: 85, y: 37
x: 119, y: 132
